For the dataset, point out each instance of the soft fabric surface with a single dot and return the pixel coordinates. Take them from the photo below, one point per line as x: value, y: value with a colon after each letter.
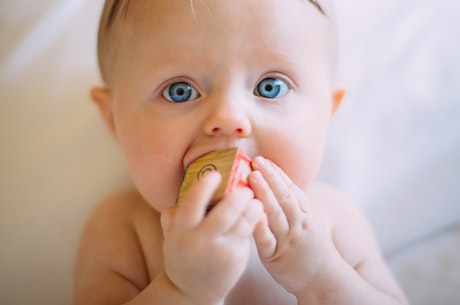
x: 394, y: 147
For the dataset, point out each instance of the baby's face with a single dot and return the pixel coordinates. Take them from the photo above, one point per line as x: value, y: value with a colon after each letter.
x: 187, y: 80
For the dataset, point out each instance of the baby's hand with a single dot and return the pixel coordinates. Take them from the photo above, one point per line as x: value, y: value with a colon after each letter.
x: 291, y: 241
x: 205, y: 255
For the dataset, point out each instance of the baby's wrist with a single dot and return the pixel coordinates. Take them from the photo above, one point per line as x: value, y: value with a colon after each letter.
x: 319, y: 287
x: 323, y: 274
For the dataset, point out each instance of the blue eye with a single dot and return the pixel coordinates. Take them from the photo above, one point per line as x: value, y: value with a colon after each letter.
x: 272, y: 88
x: 180, y: 92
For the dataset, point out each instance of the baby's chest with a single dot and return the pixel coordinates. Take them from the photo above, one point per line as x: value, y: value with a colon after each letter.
x: 257, y: 287
x: 250, y: 295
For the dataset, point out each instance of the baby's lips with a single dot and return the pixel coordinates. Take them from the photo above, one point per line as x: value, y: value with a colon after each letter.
x: 233, y: 164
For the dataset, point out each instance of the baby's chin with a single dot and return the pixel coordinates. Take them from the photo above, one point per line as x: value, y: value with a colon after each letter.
x: 160, y: 200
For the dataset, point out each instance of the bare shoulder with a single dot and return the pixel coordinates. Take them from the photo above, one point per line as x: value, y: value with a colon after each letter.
x: 330, y: 197
x: 354, y: 239
x: 111, y: 256
x: 350, y: 227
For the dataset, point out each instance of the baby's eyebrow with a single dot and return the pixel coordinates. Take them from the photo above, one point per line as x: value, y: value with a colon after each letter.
x: 318, y: 6
x: 116, y: 5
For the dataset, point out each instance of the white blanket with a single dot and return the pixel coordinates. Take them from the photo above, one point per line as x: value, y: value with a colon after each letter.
x: 394, y: 146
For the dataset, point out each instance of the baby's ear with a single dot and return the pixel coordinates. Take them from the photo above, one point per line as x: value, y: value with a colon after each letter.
x: 338, y: 92
x: 102, y: 98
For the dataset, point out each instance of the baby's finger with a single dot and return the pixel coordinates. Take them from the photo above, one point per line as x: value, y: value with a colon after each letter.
x: 277, y: 220
x: 299, y: 195
x: 245, y: 225
x: 192, y: 208
x: 287, y: 194
x: 265, y: 240
x: 227, y: 212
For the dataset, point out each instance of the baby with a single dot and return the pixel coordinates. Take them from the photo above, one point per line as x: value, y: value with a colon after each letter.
x: 184, y: 78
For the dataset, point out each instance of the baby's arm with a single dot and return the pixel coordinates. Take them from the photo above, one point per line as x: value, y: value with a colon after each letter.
x: 111, y: 267
x: 322, y: 254
x: 203, y: 256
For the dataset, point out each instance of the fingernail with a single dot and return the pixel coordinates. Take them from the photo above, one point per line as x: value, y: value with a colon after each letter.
x: 260, y: 161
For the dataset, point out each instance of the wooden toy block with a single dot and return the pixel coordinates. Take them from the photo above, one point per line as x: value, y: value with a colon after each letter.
x: 233, y: 164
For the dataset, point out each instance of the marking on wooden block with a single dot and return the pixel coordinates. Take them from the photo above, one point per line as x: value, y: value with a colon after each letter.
x: 206, y: 169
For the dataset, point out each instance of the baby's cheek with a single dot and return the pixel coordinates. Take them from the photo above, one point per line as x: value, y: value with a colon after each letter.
x: 157, y: 183
x: 301, y: 165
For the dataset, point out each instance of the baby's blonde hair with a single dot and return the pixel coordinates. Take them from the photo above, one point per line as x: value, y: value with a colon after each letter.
x: 118, y: 9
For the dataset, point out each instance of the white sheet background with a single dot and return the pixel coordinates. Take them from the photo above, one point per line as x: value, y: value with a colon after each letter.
x: 394, y: 147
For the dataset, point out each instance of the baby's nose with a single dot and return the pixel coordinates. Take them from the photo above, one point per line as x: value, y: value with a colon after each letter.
x: 228, y: 119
